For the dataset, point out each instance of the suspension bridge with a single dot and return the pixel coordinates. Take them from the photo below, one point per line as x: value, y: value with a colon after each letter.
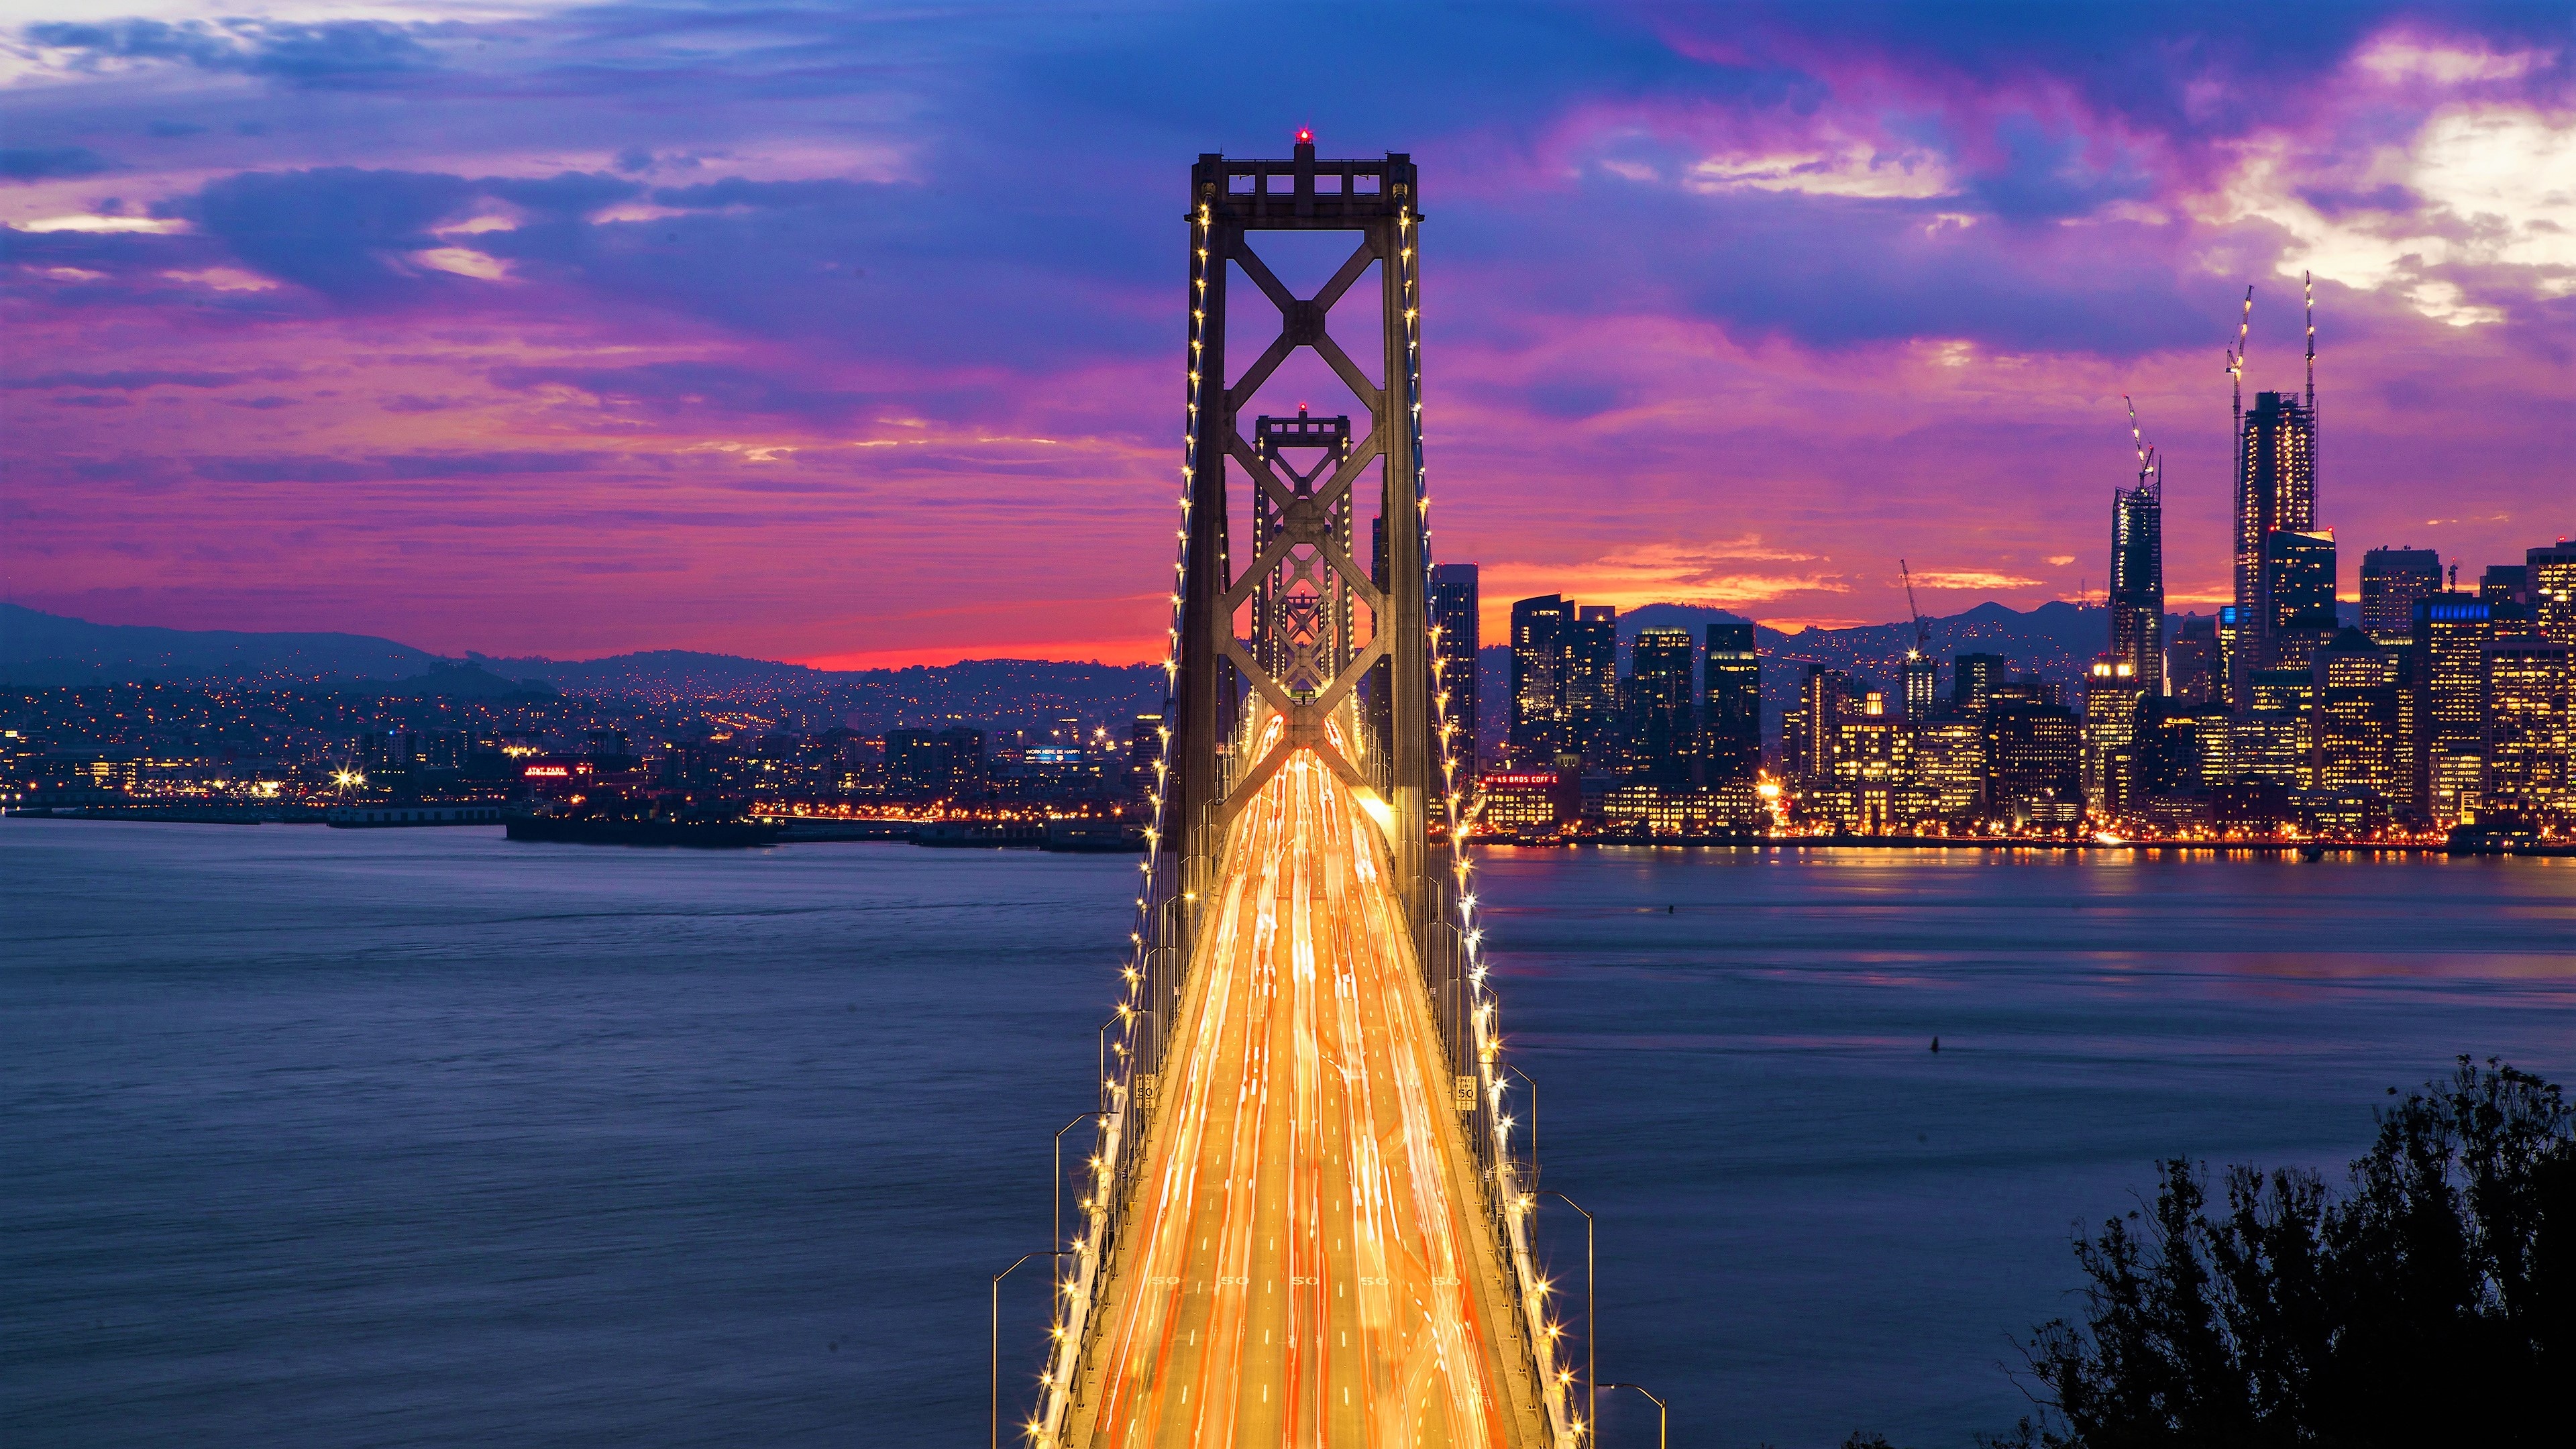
x: 1307, y: 1218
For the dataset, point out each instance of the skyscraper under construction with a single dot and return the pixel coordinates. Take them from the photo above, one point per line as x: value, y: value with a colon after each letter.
x: 2276, y: 492
x: 2137, y: 593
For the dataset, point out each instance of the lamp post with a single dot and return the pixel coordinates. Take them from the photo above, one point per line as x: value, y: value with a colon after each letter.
x: 997, y: 1333
x: 1591, y: 1348
x: 1533, y: 1086
x: 1663, y: 1416
x: 1059, y: 1169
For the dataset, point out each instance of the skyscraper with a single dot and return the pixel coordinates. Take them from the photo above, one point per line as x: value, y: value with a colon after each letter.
x: 2450, y: 633
x: 1592, y: 682
x: 1660, y: 726
x: 2392, y: 579
x: 2298, y: 586
x: 1922, y: 687
x: 2276, y: 491
x: 2529, y: 683
x: 1542, y: 653
x: 2552, y: 586
x: 1452, y: 602
x: 2137, y: 592
x: 2360, y: 732
x: 1822, y: 702
x: 1730, y: 734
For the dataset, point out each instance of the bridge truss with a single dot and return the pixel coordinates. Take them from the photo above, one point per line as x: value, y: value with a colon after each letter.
x: 1278, y: 657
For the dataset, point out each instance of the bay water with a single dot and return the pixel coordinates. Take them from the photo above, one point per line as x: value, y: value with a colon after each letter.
x: 426, y: 1138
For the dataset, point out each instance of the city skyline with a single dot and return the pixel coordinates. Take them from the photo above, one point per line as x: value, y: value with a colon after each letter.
x: 592, y: 375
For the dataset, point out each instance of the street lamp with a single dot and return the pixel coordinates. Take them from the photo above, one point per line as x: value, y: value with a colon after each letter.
x: 1059, y: 1169
x: 1663, y: 1416
x: 1533, y: 1137
x: 1591, y: 1348
x: 997, y: 1333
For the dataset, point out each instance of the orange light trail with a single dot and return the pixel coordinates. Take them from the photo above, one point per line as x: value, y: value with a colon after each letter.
x: 1304, y: 1262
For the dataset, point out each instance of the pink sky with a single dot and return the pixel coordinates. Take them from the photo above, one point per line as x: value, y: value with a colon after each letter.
x: 855, y: 340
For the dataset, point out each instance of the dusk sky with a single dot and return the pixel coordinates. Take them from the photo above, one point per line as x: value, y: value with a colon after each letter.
x: 853, y: 335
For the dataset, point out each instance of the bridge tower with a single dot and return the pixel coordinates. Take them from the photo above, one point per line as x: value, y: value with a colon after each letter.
x: 1281, y: 635
x: 1270, y: 653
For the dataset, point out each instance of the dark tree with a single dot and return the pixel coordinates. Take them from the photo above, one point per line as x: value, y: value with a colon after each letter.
x: 2432, y: 1301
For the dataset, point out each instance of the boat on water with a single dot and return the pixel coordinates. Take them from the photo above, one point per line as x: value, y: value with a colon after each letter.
x: 608, y: 830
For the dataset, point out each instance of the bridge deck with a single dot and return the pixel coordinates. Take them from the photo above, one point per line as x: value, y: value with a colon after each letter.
x: 1305, y: 1262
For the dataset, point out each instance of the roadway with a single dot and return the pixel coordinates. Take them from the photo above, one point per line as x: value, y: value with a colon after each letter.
x: 1304, y: 1262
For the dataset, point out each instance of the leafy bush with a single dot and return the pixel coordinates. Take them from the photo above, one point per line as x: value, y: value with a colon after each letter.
x: 2433, y: 1301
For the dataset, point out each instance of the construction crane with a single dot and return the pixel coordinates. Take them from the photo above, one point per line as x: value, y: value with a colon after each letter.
x: 2236, y: 360
x: 1922, y: 630
x: 2308, y: 285
x: 2150, y: 466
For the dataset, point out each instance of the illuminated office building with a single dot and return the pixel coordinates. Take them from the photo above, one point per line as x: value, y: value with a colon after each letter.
x: 2450, y: 633
x: 1660, y: 725
x: 2363, y: 712
x: 2552, y: 586
x: 1922, y: 694
x: 1822, y: 703
x: 2298, y: 596
x: 2529, y: 684
x: 2271, y: 740
x: 1730, y: 726
x: 2276, y: 492
x: 2113, y: 700
x: 1950, y: 765
x: 1452, y: 602
x: 1592, y: 683
x: 2392, y: 579
x: 2137, y: 590
x: 1542, y: 657
x: 2506, y: 591
x: 2034, y: 763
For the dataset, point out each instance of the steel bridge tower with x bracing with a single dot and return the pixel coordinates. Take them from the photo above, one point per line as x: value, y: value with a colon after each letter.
x: 1275, y: 654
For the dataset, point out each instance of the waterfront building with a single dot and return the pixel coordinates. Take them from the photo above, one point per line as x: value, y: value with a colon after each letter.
x: 2113, y: 699
x: 1522, y: 801
x: 2137, y: 589
x: 2276, y: 492
x: 1730, y: 733
x: 2363, y: 712
x: 1648, y: 808
x: 2392, y: 579
x: 2034, y: 763
x: 2195, y: 670
x: 1950, y: 765
x: 2450, y: 633
x: 1542, y: 658
x: 1452, y: 602
x: 1661, y: 720
x: 2551, y: 591
x: 1592, y: 684
x: 1822, y: 702
x: 2529, y: 688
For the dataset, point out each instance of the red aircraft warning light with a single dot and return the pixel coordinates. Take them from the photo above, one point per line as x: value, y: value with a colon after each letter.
x: 1305, y: 135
